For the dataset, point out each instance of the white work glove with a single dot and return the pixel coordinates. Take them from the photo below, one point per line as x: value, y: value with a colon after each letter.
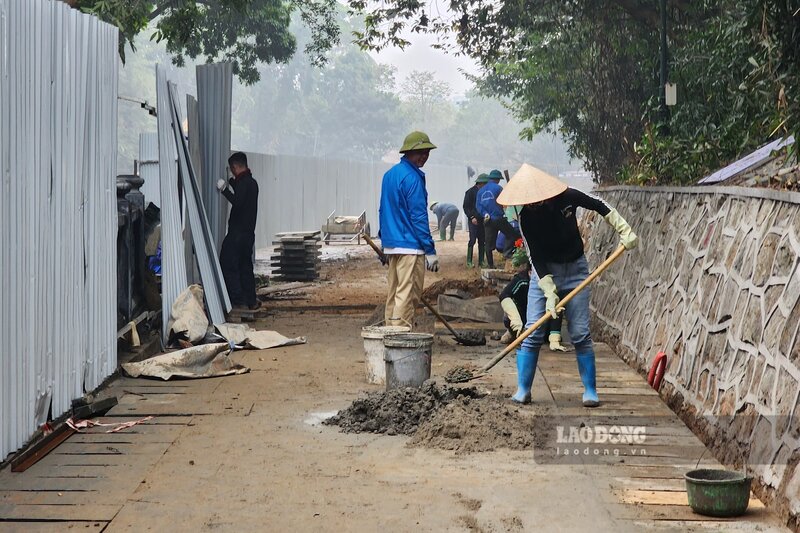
x: 627, y: 237
x: 511, y: 311
x: 548, y: 287
x: 432, y: 263
x: 221, y: 185
x: 486, y: 217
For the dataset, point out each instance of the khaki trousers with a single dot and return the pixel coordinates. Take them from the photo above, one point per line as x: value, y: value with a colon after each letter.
x: 406, y: 277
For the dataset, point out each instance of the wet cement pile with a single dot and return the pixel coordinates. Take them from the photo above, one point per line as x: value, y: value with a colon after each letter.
x: 398, y: 411
x: 469, y: 425
x: 459, y: 374
x: 448, y: 418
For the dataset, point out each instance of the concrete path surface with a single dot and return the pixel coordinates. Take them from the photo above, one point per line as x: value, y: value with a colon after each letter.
x: 246, y: 453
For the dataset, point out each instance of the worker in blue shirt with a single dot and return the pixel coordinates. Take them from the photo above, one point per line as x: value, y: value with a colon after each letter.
x: 404, y: 230
x: 494, y: 218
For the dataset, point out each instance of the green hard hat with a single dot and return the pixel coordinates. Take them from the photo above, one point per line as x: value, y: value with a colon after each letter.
x: 417, y: 140
x: 482, y: 178
x: 495, y: 175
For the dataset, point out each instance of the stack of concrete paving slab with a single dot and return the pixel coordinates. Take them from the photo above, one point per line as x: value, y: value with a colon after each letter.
x: 297, y: 256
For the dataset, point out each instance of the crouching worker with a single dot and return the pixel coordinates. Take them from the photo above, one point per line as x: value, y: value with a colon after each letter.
x: 550, y: 231
x: 514, y: 301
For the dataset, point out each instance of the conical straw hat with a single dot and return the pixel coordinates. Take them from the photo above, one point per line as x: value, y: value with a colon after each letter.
x: 530, y: 185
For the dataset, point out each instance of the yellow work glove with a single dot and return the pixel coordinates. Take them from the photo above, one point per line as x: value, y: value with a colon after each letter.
x: 555, y: 343
x: 548, y: 287
x: 511, y: 311
x: 627, y: 237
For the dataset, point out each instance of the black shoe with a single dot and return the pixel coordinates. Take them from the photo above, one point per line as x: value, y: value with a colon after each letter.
x: 255, y: 306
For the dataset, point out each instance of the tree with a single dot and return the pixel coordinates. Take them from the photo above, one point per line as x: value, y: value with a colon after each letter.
x: 589, y: 70
x: 485, y: 135
x: 348, y: 110
x: 245, y: 32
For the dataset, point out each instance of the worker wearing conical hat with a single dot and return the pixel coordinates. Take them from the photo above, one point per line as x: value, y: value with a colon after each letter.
x: 547, y: 216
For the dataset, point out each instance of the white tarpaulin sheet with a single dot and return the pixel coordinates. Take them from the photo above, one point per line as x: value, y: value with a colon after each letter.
x: 206, y: 361
x: 243, y: 334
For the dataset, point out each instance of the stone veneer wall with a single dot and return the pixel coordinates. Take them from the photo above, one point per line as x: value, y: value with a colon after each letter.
x: 715, y: 284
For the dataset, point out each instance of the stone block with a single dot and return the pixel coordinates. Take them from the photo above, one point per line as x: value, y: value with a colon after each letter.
x: 772, y: 334
x: 709, y: 286
x: 483, y: 309
x: 733, y: 250
x: 764, y: 259
x: 789, y: 332
x: 786, y: 395
x: 752, y: 322
x: 758, y: 372
x: 743, y: 387
x: 765, y: 389
x: 763, y: 446
x: 785, y: 259
x: 791, y: 293
x: 742, y: 424
x: 727, y: 402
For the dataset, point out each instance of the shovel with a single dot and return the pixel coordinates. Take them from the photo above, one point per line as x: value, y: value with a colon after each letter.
x: 471, y: 338
x: 462, y: 375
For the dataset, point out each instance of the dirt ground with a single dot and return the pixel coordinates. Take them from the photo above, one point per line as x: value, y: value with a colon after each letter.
x: 249, y: 452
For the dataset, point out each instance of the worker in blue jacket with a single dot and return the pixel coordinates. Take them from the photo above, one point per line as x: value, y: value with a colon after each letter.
x: 494, y: 217
x: 404, y: 230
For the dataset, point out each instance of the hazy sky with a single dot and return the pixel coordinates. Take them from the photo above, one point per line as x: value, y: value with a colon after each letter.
x: 421, y: 56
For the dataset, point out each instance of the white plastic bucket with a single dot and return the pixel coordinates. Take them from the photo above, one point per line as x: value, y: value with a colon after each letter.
x: 374, y: 350
x: 408, y: 359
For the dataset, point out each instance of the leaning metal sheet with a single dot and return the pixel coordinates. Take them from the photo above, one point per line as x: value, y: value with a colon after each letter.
x: 751, y: 160
x: 173, y: 261
x: 215, y: 291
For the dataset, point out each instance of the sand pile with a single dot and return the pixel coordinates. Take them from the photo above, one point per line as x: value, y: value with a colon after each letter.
x: 398, y: 411
x: 469, y: 425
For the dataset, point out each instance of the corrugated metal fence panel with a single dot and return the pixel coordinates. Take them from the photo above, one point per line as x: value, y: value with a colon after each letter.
x: 101, y: 273
x: 58, y: 88
x: 148, y: 168
x: 214, y: 90
x: 298, y: 193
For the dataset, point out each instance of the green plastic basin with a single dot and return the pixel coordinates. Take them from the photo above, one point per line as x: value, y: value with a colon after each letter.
x: 721, y: 493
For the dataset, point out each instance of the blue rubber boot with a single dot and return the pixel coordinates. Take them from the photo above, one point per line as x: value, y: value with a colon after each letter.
x: 526, y: 369
x: 587, y: 370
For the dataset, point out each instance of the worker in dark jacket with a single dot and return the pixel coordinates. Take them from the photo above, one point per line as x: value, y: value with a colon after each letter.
x: 475, y: 221
x: 236, y: 256
x: 494, y: 218
x: 514, y: 301
x: 548, y: 220
x: 446, y: 215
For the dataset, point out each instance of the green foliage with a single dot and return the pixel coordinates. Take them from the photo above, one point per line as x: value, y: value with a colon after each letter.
x: 245, y: 32
x: 589, y: 71
x: 734, y: 78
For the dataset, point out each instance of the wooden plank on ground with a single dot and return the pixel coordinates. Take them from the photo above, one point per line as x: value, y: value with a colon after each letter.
x: 51, y: 527
x: 684, y: 512
x: 87, y: 512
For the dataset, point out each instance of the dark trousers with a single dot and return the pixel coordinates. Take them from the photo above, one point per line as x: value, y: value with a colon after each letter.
x: 236, y: 260
x: 476, y: 233
x: 492, y: 227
